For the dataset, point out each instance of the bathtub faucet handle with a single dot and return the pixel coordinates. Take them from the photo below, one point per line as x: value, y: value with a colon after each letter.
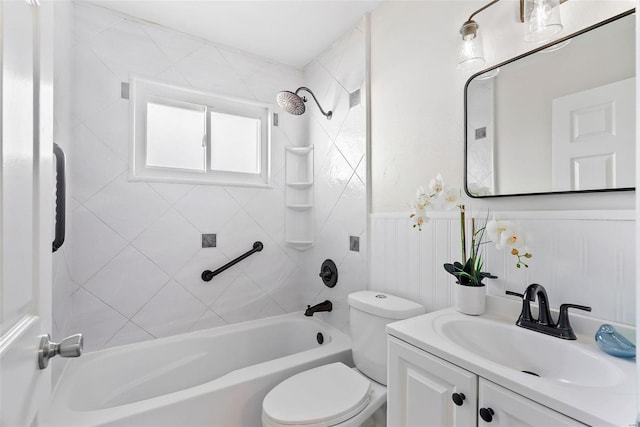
x: 68, y: 347
x: 329, y: 273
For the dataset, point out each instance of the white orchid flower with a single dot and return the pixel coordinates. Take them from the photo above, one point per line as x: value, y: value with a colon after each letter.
x: 450, y: 198
x: 421, y: 208
x: 436, y: 185
x: 512, y: 238
x: 419, y: 216
x: 421, y: 196
x: 496, y: 227
x: 505, y: 234
x: 419, y: 221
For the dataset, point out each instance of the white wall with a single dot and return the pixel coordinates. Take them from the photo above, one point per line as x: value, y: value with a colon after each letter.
x: 417, y: 131
x: 136, y: 260
x: 417, y: 93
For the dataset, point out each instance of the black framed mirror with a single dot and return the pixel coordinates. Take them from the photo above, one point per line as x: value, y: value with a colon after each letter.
x: 557, y: 119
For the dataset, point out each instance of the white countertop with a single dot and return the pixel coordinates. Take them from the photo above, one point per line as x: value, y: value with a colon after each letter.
x: 594, y: 405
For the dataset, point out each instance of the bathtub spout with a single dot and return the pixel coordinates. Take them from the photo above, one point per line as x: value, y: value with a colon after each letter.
x: 323, y: 306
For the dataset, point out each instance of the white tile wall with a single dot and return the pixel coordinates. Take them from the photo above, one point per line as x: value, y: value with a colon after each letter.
x: 339, y: 189
x: 579, y: 257
x: 131, y: 268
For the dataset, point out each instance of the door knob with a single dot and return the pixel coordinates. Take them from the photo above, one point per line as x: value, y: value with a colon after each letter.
x: 68, y: 347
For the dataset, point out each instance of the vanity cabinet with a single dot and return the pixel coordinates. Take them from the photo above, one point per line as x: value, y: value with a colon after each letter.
x: 425, y: 390
x: 512, y: 409
x: 420, y: 389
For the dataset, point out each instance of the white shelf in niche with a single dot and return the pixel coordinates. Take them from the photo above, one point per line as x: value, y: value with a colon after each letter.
x: 299, y: 197
x: 300, y: 207
x: 300, y: 185
x: 301, y: 245
x: 299, y: 150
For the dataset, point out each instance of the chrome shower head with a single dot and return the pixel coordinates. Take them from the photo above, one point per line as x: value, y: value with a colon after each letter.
x: 293, y: 103
x: 290, y: 102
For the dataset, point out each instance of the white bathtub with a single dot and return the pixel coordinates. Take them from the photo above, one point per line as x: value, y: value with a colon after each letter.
x: 215, y: 377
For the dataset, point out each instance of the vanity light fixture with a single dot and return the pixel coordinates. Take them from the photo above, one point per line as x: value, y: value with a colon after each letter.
x: 470, y: 49
x: 541, y: 19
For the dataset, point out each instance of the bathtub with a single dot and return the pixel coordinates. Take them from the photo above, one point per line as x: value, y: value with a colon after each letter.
x: 214, y: 377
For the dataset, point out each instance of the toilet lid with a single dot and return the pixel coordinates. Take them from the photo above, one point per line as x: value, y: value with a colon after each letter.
x: 325, y: 395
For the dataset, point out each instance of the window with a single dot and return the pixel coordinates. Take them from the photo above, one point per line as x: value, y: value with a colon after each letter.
x: 182, y: 135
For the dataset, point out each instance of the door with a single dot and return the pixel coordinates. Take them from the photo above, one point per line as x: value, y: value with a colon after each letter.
x: 421, y: 389
x: 504, y: 408
x: 593, y: 138
x: 26, y: 198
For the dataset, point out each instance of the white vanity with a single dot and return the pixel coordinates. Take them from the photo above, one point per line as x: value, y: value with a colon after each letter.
x: 450, y: 369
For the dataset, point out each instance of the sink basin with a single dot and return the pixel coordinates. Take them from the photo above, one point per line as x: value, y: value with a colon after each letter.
x: 530, y: 352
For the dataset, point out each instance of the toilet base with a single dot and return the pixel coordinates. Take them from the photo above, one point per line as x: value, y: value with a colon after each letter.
x: 374, y: 414
x: 378, y: 419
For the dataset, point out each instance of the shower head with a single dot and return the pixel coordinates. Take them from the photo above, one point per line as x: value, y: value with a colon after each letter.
x: 290, y: 102
x: 293, y: 103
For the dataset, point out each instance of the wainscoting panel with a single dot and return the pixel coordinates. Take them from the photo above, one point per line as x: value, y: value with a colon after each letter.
x: 581, y: 257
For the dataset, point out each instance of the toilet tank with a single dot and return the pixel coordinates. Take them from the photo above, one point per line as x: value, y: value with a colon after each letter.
x: 369, y: 314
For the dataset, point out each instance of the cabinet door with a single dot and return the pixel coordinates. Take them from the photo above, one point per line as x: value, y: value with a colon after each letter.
x: 420, y: 389
x: 511, y: 409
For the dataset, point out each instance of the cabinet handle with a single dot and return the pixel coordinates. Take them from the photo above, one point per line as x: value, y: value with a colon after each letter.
x: 486, y: 414
x: 458, y: 398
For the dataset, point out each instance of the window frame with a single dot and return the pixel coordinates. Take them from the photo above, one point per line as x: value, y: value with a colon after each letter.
x: 143, y: 91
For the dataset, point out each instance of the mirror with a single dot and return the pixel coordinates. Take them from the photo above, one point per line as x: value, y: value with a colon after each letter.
x: 558, y: 119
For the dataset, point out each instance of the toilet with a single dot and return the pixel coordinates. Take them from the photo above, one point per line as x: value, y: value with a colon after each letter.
x: 335, y: 394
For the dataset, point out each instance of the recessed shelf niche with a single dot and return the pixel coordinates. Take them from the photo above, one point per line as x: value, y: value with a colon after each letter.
x: 299, y: 197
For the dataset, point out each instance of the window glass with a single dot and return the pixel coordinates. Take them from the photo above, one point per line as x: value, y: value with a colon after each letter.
x: 189, y: 136
x: 175, y: 137
x: 235, y: 143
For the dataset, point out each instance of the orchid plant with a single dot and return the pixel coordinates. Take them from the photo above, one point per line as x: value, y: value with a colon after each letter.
x: 505, y: 234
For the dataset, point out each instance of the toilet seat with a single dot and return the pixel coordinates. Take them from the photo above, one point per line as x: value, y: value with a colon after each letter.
x: 323, y: 396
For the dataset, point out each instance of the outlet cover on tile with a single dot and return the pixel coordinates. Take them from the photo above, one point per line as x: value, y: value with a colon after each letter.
x: 124, y: 90
x: 208, y: 240
x: 354, y: 98
x: 354, y: 243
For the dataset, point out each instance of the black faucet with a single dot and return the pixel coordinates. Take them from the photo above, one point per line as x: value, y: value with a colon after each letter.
x: 323, y: 306
x: 544, y: 322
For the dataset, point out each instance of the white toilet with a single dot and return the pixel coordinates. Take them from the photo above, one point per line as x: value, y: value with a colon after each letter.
x: 334, y: 394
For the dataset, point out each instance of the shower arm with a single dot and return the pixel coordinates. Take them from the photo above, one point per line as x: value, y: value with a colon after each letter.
x: 326, y: 114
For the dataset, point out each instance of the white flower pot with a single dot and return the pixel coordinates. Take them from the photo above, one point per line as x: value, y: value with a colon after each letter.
x: 470, y: 299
